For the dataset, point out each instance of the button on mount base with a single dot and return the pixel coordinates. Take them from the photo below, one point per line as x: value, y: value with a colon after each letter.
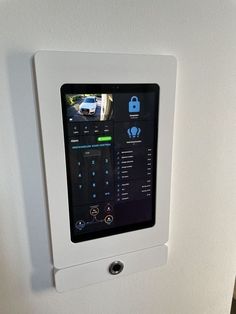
x: 116, y: 267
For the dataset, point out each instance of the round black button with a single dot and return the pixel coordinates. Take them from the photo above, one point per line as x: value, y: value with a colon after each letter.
x: 116, y: 268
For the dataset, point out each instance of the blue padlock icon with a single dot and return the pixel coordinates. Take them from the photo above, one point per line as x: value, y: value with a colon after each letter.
x: 134, y: 104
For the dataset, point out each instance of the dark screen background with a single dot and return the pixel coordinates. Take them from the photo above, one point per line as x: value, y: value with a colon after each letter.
x: 111, y: 157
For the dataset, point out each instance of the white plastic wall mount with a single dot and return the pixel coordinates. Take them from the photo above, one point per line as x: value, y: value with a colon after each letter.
x: 79, y: 264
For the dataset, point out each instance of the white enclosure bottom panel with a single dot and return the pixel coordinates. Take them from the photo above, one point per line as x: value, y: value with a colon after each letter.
x: 97, y: 271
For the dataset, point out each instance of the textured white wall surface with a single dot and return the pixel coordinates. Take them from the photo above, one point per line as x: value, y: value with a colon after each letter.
x: 199, y: 276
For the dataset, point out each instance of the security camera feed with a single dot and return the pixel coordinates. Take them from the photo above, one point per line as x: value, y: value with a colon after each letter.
x: 110, y: 133
x: 89, y: 107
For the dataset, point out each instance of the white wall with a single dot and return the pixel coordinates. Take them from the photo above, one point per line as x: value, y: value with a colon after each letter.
x: 200, y: 273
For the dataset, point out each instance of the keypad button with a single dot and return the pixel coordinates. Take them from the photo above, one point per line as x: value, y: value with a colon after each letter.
x: 107, y: 195
x: 74, y: 129
x: 85, y: 130
x: 93, y: 162
x: 107, y: 128
x: 96, y: 129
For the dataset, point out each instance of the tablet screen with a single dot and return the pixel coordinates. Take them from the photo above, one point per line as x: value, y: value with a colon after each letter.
x: 110, y: 133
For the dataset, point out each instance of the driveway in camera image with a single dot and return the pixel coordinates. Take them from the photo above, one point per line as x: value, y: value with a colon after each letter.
x: 74, y: 114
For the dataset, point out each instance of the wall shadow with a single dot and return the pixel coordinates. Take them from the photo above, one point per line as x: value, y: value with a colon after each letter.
x: 29, y: 147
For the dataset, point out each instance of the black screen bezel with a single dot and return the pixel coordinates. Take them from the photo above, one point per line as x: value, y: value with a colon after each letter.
x: 71, y: 88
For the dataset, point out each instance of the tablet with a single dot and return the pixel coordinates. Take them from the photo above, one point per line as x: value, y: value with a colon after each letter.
x: 110, y: 140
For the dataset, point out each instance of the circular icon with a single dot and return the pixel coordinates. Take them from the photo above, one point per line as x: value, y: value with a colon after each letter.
x: 108, y: 208
x: 116, y: 267
x: 108, y: 219
x: 94, y: 211
x: 80, y: 224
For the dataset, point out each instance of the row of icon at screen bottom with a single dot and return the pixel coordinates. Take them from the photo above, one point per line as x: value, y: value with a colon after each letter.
x: 94, y: 211
x: 81, y: 224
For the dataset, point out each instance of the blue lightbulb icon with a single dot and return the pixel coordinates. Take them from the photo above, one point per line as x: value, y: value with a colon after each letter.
x: 134, y: 132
